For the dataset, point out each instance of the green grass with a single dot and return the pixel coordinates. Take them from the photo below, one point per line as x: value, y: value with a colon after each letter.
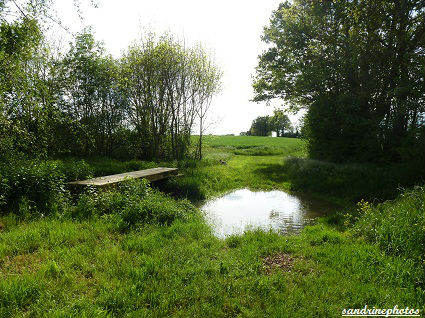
x: 250, y: 162
x: 241, y: 142
x: 264, y: 163
x: 135, y: 252
x: 90, y: 268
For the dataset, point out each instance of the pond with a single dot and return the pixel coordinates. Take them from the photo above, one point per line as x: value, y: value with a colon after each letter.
x: 277, y: 210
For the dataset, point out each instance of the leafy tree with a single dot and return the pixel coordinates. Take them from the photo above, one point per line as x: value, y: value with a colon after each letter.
x: 93, y: 103
x: 168, y: 87
x: 280, y: 123
x: 85, y: 102
x: 357, y: 68
x: 261, y: 126
x: 19, y: 83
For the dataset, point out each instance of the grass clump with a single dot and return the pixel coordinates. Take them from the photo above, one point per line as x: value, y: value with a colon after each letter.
x: 135, y: 203
x: 397, y: 227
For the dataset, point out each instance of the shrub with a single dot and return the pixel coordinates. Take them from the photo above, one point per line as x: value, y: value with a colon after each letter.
x: 189, y: 187
x: 75, y: 170
x: 33, y: 184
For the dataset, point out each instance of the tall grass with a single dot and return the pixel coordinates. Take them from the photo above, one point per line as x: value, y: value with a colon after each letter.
x: 350, y: 181
x: 398, y: 226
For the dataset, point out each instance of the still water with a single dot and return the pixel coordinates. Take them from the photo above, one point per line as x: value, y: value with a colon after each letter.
x: 245, y: 209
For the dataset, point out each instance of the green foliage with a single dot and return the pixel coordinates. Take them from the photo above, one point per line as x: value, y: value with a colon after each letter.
x: 133, y: 251
x: 233, y: 162
x: 106, y: 166
x: 75, y: 169
x: 357, y: 69
x: 32, y: 187
x: 168, y: 87
x: 189, y: 187
x: 261, y: 126
x: 86, y: 103
x: 397, y: 227
x: 87, y: 268
x: 350, y: 181
x: 135, y: 203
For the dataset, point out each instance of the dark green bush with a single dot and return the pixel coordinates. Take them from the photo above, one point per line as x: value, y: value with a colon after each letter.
x: 75, y: 169
x: 108, y: 166
x: 189, y: 187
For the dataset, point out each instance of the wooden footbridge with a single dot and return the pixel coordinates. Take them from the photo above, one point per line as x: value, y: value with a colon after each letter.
x: 153, y: 174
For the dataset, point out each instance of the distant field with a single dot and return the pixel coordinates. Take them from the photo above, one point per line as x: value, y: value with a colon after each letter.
x: 251, y: 141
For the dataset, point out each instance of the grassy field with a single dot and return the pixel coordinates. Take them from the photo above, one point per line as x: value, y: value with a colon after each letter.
x: 251, y: 162
x: 243, y: 142
x: 135, y: 252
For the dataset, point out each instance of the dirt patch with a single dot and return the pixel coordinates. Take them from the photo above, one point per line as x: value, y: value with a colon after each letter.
x: 281, y: 261
x: 20, y: 263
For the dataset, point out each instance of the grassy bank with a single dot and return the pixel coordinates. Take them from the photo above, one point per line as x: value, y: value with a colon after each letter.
x: 139, y: 254
x: 136, y: 252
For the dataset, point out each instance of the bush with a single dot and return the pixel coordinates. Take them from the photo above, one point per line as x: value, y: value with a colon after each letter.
x: 189, y: 187
x: 75, y: 170
x: 35, y: 186
x: 107, y: 166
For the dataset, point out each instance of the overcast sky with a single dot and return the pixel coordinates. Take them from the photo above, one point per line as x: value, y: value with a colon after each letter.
x: 230, y: 29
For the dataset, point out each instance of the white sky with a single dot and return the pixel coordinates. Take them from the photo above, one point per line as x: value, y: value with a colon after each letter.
x: 230, y: 29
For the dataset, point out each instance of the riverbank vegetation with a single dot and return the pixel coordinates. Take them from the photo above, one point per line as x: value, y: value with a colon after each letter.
x: 134, y: 251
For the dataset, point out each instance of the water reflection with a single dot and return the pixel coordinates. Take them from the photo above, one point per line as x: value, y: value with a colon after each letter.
x: 278, y: 210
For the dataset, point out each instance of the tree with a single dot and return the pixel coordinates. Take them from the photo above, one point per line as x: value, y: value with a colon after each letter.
x: 208, y: 82
x: 356, y: 67
x: 85, y: 102
x: 29, y: 91
x: 261, y: 126
x: 280, y: 123
x: 168, y: 87
x: 93, y: 104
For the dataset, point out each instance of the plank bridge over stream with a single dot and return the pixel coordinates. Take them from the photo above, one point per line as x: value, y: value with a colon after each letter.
x: 153, y: 174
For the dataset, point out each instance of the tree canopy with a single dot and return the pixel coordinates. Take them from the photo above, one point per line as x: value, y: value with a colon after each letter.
x: 265, y: 125
x: 84, y: 102
x: 357, y: 67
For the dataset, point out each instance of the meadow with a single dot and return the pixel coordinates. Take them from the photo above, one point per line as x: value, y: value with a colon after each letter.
x: 136, y: 251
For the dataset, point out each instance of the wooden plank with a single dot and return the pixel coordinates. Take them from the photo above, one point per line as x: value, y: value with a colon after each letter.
x: 153, y: 174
